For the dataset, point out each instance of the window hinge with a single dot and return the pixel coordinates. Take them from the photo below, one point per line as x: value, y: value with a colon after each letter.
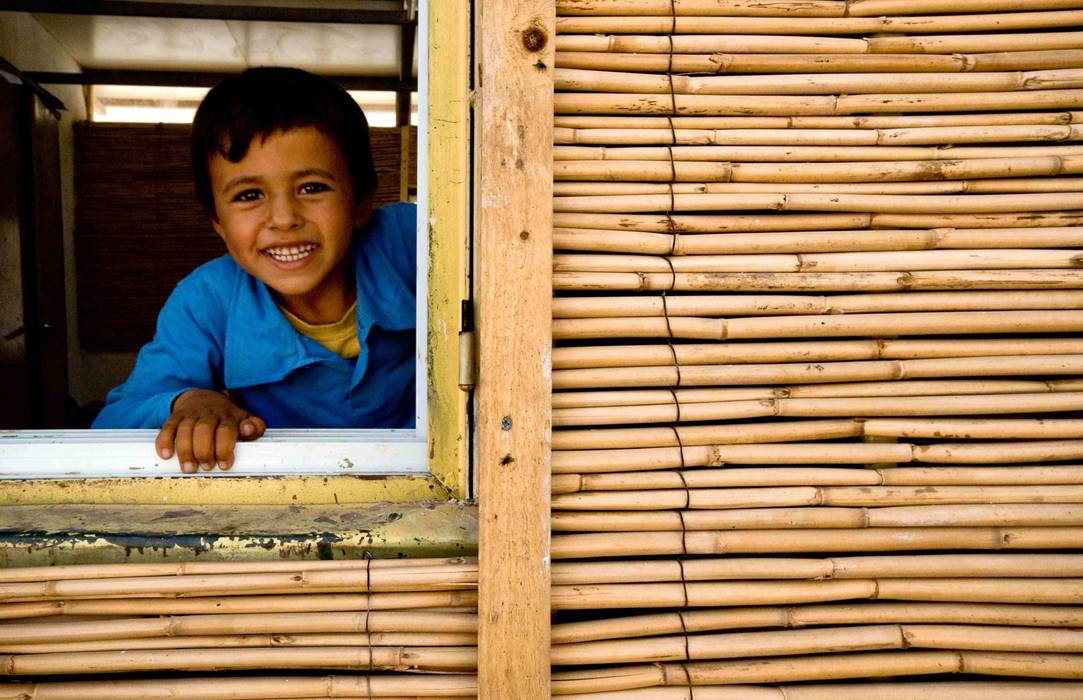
x: 467, y: 361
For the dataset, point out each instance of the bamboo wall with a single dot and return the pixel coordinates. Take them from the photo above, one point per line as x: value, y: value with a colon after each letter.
x: 240, y: 630
x: 817, y: 363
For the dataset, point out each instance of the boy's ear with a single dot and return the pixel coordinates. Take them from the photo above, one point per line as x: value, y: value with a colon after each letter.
x: 362, y: 211
x: 217, y: 225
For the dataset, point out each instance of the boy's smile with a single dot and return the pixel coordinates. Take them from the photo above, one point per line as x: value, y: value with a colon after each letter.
x: 287, y: 214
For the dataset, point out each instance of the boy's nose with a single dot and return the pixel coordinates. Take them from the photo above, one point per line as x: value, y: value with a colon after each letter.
x: 285, y: 212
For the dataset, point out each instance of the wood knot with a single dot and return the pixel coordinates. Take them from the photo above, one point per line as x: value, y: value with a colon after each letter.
x: 534, y: 38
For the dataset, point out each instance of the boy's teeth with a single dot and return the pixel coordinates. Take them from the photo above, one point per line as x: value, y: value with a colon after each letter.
x: 291, y: 253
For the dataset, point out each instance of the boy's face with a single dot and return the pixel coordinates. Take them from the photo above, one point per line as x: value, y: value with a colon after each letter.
x: 287, y: 214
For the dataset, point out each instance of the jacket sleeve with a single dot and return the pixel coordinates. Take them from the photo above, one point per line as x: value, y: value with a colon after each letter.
x: 186, y: 353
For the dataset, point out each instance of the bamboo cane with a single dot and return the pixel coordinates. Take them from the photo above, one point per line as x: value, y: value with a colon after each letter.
x: 966, y: 43
x: 447, y: 577
x: 817, y: 476
x: 911, y: 388
x: 406, y: 639
x: 819, y: 8
x: 904, y: 690
x: 986, y: 565
x: 207, y: 625
x: 818, y: 496
x: 141, y: 569
x: 871, y: 8
x: 253, y: 687
x: 794, y: 172
x: 351, y: 602
x: 581, y: 80
x: 898, y: 121
x: 769, y: 305
x: 709, y: 620
x: 817, y: 372
x: 730, y: 62
x: 683, y: 223
x: 990, y: 186
x: 920, y: 136
x: 814, y: 241
x: 820, y: 26
x: 739, y: 353
x: 818, y: 281
x: 804, y: 154
x: 846, y: 407
x: 775, y: 541
x: 370, y: 658
x: 692, y: 436
x: 815, y: 105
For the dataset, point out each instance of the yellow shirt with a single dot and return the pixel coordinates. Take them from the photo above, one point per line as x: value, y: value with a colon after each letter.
x: 339, y: 337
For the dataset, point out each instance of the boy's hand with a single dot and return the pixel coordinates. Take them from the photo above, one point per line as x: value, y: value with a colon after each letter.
x: 204, y: 428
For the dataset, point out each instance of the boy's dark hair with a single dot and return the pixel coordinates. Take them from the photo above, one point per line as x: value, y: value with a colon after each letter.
x: 261, y: 101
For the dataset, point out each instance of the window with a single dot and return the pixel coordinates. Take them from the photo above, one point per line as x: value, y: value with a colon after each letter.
x: 313, y: 465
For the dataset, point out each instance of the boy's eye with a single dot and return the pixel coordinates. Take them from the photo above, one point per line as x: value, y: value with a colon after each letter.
x: 314, y: 188
x: 247, y: 196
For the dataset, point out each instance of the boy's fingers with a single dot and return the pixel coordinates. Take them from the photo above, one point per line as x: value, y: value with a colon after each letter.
x: 203, y: 443
x: 183, y: 442
x: 225, y: 437
x: 163, y: 444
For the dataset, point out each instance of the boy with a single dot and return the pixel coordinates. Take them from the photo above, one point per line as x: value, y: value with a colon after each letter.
x: 309, y: 320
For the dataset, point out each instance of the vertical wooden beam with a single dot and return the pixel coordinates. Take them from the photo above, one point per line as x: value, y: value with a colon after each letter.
x: 514, y: 299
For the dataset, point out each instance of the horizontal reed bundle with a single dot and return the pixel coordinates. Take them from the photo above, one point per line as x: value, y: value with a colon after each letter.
x: 357, y: 658
x: 911, y: 566
x: 710, y: 620
x: 861, y: 240
x: 776, y: 431
x: 824, y: 46
x: 817, y: 476
x: 343, y: 686
x: 934, y: 387
x: 818, y: 281
x: 819, y: 137
x: 738, y: 353
x: 738, y: 223
x: 580, y: 80
x: 815, y: 372
x: 817, y: 8
x: 395, y: 639
x: 141, y: 569
x: 796, y: 172
x: 817, y: 667
x: 919, y: 260
x: 990, y: 186
x: 447, y: 577
x: 813, y: 105
x: 803, y: 201
x: 756, y: 153
x: 819, y: 518
x: 755, y: 593
x: 826, y: 639
x: 313, y: 603
x: 896, y: 121
x: 731, y: 62
x: 820, y: 25
x: 637, y: 544
x: 648, y: 459
x: 782, y: 305
x: 851, y: 496
x: 942, y: 405
x: 268, y: 623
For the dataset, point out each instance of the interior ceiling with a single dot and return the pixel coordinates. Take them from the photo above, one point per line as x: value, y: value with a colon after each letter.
x: 110, y: 42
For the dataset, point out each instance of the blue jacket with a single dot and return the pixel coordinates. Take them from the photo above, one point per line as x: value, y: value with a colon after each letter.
x: 221, y: 329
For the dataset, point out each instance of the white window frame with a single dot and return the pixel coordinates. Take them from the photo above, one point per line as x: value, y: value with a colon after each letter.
x: 81, y: 454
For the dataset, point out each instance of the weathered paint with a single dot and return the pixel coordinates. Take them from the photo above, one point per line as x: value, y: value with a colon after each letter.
x: 52, y: 535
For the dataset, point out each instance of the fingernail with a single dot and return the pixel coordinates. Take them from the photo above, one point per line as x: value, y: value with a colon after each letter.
x: 247, y: 429
x: 188, y: 467
x: 223, y: 466
x: 206, y: 467
x: 165, y: 453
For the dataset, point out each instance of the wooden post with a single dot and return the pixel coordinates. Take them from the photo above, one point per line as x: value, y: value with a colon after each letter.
x: 513, y: 245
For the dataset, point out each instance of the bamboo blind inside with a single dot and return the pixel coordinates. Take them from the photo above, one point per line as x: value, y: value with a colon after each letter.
x: 384, y: 628
x: 817, y: 368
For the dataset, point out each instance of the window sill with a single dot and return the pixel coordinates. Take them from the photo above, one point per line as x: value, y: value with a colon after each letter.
x: 44, y: 535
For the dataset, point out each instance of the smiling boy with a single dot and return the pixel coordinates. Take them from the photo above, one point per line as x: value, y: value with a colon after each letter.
x: 309, y: 321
